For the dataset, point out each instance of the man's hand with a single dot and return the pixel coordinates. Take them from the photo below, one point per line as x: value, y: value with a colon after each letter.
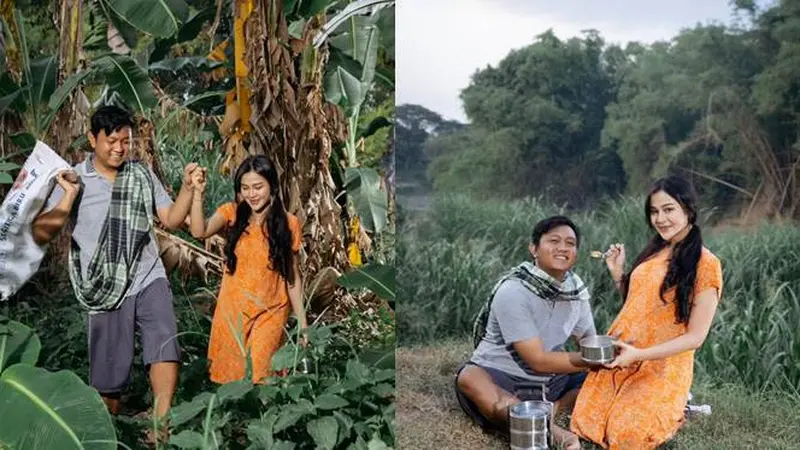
x: 68, y: 180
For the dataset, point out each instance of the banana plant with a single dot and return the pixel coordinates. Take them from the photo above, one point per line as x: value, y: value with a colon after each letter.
x: 43, y: 409
x: 37, y: 98
x: 349, y: 77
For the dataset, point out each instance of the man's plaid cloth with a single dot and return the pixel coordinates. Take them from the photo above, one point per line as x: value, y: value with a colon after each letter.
x: 126, y: 230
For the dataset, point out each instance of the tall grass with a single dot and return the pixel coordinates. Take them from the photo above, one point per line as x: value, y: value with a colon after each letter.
x: 449, y: 259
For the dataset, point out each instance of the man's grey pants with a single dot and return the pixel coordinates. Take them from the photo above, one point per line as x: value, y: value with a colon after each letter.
x: 111, y: 336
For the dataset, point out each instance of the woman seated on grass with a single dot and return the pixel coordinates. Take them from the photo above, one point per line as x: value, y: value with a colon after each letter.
x: 671, y: 295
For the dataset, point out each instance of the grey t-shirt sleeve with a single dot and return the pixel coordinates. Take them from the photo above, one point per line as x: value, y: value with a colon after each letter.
x: 160, y: 195
x: 585, y: 325
x: 512, y: 309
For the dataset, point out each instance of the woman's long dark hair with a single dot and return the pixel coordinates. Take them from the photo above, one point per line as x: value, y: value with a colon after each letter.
x: 276, y: 223
x: 682, y: 271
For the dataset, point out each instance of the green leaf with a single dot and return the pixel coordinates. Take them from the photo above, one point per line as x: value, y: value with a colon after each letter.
x: 360, y: 42
x: 324, y: 431
x: 283, y: 445
x: 345, y: 425
x: 6, y: 178
x: 268, y: 393
x: 188, y: 31
x: 373, y: 127
x: 376, y: 443
x: 343, y: 89
x: 200, y: 63
x: 234, y: 390
x: 356, y: 371
x: 159, y: 18
x: 379, y: 279
x: 291, y: 414
x: 128, y: 32
x: 62, y: 93
x: 363, y: 185
x: 8, y: 100
x: 18, y: 342
x: 185, y: 412
x: 330, y: 401
x: 187, y: 439
x: 24, y: 141
x: 295, y: 392
x: 310, y: 8
x: 384, y: 390
x: 359, y: 444
x: 43, y: 83
x: 65, y: 412
x: 285, y: 358
x: 2, y: 58
x: 5, y: 167
x: 127, y: 79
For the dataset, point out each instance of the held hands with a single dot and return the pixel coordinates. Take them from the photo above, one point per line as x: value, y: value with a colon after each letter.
x: 187, y: 173
x: 198, y: 178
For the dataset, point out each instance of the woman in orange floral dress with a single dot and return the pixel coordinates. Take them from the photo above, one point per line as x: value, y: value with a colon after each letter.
x: 671, y: 295
x: 262, y: 277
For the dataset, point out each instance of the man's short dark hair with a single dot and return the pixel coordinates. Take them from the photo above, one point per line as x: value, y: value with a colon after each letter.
x: 548, y: 224
x: 110, y: 118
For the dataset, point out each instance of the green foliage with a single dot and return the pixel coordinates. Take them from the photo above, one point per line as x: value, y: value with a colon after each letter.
x: 449, y: 260
x: 342, y: 403
x: 61, y: 408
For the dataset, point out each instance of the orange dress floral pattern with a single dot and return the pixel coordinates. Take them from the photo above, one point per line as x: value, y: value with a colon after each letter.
x: 641, y: 406
x: 252, y: 306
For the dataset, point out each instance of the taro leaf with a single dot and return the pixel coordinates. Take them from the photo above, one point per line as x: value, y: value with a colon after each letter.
x: 324, y: 431
x: 376, y: 277
x: 65, y: 412
x: 187, y: 439
x: 330, y: 401
x: 160, y: 18
x: 128, y: 80
x: 18, y: 342
x: 363, y: 185
x: 234, y: 391
x: 24, y: 141
x: 291, y: 414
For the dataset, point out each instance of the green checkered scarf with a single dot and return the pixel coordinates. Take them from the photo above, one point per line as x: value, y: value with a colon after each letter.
x: 125, y: 232
x: 540, y: 283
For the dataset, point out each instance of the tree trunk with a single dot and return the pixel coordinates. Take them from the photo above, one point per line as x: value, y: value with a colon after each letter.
x: 297, y: 129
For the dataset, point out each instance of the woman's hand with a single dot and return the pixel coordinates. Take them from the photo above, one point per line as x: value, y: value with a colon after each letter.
x: 615, y: 261
x: 627, y: 354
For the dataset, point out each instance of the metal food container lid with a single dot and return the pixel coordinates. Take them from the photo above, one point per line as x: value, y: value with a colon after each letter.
x: 530, y: 408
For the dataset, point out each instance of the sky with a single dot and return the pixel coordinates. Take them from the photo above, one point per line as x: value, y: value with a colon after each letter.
x: 439, y: 44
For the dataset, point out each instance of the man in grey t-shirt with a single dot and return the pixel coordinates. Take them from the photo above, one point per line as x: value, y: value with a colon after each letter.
x: 530, y: 320
x: 147, y: 300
